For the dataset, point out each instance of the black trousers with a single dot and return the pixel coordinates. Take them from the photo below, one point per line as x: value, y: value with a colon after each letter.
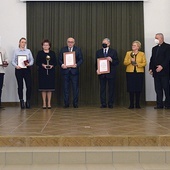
x: 111, y: 87
x: 23, y: 74
x: 162, y: 86
x: 74, y: 79
x: 1, y: 84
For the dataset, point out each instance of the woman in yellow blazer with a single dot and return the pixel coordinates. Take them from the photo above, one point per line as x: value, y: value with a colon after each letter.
x: 135, y: 62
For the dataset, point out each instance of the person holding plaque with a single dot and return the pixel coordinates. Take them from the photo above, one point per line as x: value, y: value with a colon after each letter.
x: 135, y: 62
x: 70, y: 59
x: 22, y: 60
x: 108, y: 73
x: 46, y: 62
x: 3, y: 64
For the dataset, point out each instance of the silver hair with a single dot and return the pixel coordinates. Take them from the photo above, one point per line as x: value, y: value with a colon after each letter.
x: 160, y: 34
x: 107, y: 39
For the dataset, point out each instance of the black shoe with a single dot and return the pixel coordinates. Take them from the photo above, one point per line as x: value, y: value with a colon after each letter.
x: 137, y: 107
x: 103, y: 106
x: 131, y: 107
x: 66, y: 106
x: 2, y: 108
x: 75, y: 106
x: 158, y: 107
x: 167, y: 107
x: 110, y: 106
x: 48, y: 107
x: 27, y: 104
x: 22, y: 104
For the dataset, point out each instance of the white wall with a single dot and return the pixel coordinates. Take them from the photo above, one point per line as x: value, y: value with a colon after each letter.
x: 156, y: 14
x: 13, y: 26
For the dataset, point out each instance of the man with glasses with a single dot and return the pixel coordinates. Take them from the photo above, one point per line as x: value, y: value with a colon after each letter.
x: 71, y: 73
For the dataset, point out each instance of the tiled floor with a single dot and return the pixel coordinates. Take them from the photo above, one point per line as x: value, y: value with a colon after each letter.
x: 85, y: 126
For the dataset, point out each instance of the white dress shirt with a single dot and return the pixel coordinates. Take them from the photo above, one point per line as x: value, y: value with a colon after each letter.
x: 26, y: 52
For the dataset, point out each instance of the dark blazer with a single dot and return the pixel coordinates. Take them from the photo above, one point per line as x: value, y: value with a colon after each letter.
x: 79, y: 60
x: 115, y: 61
x: 160, y: 56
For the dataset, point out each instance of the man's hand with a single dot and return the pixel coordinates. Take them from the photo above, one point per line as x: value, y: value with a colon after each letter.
x: 98, y: 73
x: 159, y: 68
x: 64, y: 66
x: 150, y: 72
x: 109, y: 59
x: 75, y: 66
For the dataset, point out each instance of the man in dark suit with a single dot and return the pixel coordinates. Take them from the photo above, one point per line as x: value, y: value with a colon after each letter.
x: 71, y: 74
x: 159, y: 68
x: 111, y: 55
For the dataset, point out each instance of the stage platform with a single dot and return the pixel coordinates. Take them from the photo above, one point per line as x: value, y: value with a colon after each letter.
x: 84, y: 126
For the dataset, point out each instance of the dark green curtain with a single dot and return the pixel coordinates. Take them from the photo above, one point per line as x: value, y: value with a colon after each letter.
x: 88, y: 23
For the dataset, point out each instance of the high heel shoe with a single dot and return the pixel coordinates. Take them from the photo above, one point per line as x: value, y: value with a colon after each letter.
x: 22, y: 104
x: 27, y: 104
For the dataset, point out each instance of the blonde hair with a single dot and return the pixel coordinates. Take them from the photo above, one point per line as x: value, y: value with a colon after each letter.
x: 138, y: 43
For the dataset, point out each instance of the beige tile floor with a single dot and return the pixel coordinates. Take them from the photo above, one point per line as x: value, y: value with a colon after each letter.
x: 85, y: 126
x: 144, y: 127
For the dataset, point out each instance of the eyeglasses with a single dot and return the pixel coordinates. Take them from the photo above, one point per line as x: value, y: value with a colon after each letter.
x: 71, y: 42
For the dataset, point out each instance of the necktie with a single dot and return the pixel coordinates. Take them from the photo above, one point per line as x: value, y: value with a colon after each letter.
x: 105, y: 52
x: 69, y: 49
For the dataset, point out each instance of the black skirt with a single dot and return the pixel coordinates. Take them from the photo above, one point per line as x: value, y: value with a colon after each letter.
x: 134, y: 81
x: 46, y: 81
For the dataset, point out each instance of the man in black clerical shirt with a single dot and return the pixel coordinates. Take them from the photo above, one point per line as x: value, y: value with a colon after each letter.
x: 159, y: 68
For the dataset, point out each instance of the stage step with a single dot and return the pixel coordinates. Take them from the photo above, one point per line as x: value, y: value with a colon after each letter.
x: 84, y: 155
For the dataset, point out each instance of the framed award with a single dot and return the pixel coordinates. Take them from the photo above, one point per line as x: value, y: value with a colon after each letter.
x: 1, y: 61
x: 103, y: 65
x: 21, y: 61
x: 69, y: 59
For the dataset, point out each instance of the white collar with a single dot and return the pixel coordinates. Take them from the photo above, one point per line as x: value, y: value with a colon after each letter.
x: 106, y: 49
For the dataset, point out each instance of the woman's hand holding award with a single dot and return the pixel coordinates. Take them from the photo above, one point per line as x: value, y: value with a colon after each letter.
x: 48, y: 65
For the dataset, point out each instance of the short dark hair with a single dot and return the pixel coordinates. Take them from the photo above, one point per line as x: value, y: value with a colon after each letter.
x: 46, y: 41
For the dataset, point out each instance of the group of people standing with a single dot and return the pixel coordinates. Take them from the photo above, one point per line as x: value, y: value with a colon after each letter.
x: 135, y: 62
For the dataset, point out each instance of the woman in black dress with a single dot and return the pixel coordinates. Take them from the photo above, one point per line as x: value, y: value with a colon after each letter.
x: 46, y: 62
